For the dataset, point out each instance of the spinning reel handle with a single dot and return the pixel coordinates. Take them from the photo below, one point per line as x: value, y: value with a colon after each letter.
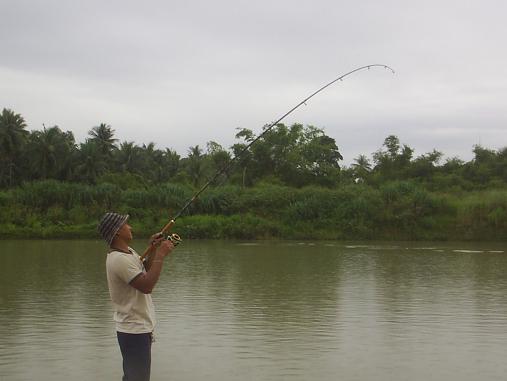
x: 174, y: 238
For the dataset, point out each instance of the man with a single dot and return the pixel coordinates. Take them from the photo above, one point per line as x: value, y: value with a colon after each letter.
x: 130, y: 285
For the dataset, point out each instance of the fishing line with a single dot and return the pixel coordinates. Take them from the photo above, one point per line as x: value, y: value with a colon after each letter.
x: 267, y: 129
x: 174, y: 237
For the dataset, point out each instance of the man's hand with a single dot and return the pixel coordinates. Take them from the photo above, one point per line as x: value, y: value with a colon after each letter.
x: 156, y: 238
x: 145, y: 282
x: 165, y: 248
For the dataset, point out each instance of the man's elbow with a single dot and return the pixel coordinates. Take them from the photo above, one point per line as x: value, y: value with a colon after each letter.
x: 146, y: 289
x: 142, y: 284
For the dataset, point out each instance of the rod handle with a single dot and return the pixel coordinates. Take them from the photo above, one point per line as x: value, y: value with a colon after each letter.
x: 150, y: 248
x: 168, y: 227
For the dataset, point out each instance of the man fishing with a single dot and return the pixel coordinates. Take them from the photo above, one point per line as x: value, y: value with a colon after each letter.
x: 130, y: 284
x: 131, y: 280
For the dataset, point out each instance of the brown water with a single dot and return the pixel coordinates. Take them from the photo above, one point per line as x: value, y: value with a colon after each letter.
x: 264, y: 311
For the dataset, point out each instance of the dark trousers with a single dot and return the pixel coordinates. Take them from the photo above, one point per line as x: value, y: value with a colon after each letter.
x: 136, y: 353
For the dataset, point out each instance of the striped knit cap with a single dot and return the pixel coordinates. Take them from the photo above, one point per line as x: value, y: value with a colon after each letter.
x: 110, y: 224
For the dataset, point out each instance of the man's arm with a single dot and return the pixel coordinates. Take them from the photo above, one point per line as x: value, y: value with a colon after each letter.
x: 149, y: 258
x: 145, y: 282
x: 155, y: 240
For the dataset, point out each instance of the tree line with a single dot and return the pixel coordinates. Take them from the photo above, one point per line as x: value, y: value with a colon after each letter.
x: 294, y: 155
x: 289, y: 184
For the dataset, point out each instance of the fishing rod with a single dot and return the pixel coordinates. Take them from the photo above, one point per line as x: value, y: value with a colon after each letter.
x: 175, y: 238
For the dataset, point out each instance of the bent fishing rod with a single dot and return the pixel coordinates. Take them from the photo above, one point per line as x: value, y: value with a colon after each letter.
x: 175, y: 238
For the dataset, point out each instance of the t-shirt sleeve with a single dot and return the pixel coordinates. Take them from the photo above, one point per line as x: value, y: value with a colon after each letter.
x: 126, y: 268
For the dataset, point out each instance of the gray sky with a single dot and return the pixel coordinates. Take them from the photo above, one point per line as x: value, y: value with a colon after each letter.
x: 181, y: 73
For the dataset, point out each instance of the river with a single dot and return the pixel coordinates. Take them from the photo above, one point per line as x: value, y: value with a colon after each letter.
x: 264, y: 311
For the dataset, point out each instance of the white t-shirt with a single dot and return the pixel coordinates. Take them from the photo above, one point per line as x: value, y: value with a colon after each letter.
x: 133, y: 311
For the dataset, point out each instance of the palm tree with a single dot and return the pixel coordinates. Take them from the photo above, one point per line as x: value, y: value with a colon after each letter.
x: 362, y: 162
x: 151, y: 162
x: 103, y: 135
x: 13, y: 136
x: 361, y: 167
x: 195, y: 164
x: 50, y: 152
x: 128, y: 158
x: 171, y: 162
x: 91, y: 160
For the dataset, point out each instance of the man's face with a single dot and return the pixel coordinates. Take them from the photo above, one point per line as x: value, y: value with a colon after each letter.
x: 125, y: 232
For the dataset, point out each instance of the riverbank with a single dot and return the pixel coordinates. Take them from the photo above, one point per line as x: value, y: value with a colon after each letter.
x: 399, y: 210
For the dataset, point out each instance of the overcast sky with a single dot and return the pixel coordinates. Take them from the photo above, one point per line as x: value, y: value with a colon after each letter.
x: 181, y: 73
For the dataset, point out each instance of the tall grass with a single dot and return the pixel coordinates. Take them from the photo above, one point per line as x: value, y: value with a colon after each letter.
x: 396, y: 210
x: 483, y: 214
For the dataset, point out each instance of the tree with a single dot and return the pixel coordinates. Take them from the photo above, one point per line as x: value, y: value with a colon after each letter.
x: 501, y: 164
x: 128, y: 158
x: 171, y: 161
x: 103, y: 136
x: 297, y: 155
x: 13, y: 136
x: 150, y: 161
x: 361, y: 167
x: 391, y: 162
x: 195, y: 164
x: 453, y: 164
x: 244, y: 157
x: 154, y: 163
x: 484, y: 167
x: 424, y: 166
x: 92, y: 163
x: 320, y: 157
x: 50, y: 153
x: 218, y: 155
x: 483, y: 155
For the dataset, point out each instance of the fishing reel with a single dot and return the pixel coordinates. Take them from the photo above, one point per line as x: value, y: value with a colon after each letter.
x: 174, y: 238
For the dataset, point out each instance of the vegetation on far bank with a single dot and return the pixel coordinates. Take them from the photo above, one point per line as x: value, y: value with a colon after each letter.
x: 290, y: 184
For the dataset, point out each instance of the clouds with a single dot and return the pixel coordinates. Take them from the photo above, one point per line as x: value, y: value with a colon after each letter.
x: 183, y: 73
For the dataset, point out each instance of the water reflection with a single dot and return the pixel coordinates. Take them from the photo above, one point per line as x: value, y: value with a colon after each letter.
x: 264, y: 311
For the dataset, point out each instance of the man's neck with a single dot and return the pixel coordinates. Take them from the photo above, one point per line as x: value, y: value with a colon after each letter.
x: 120, y: 245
